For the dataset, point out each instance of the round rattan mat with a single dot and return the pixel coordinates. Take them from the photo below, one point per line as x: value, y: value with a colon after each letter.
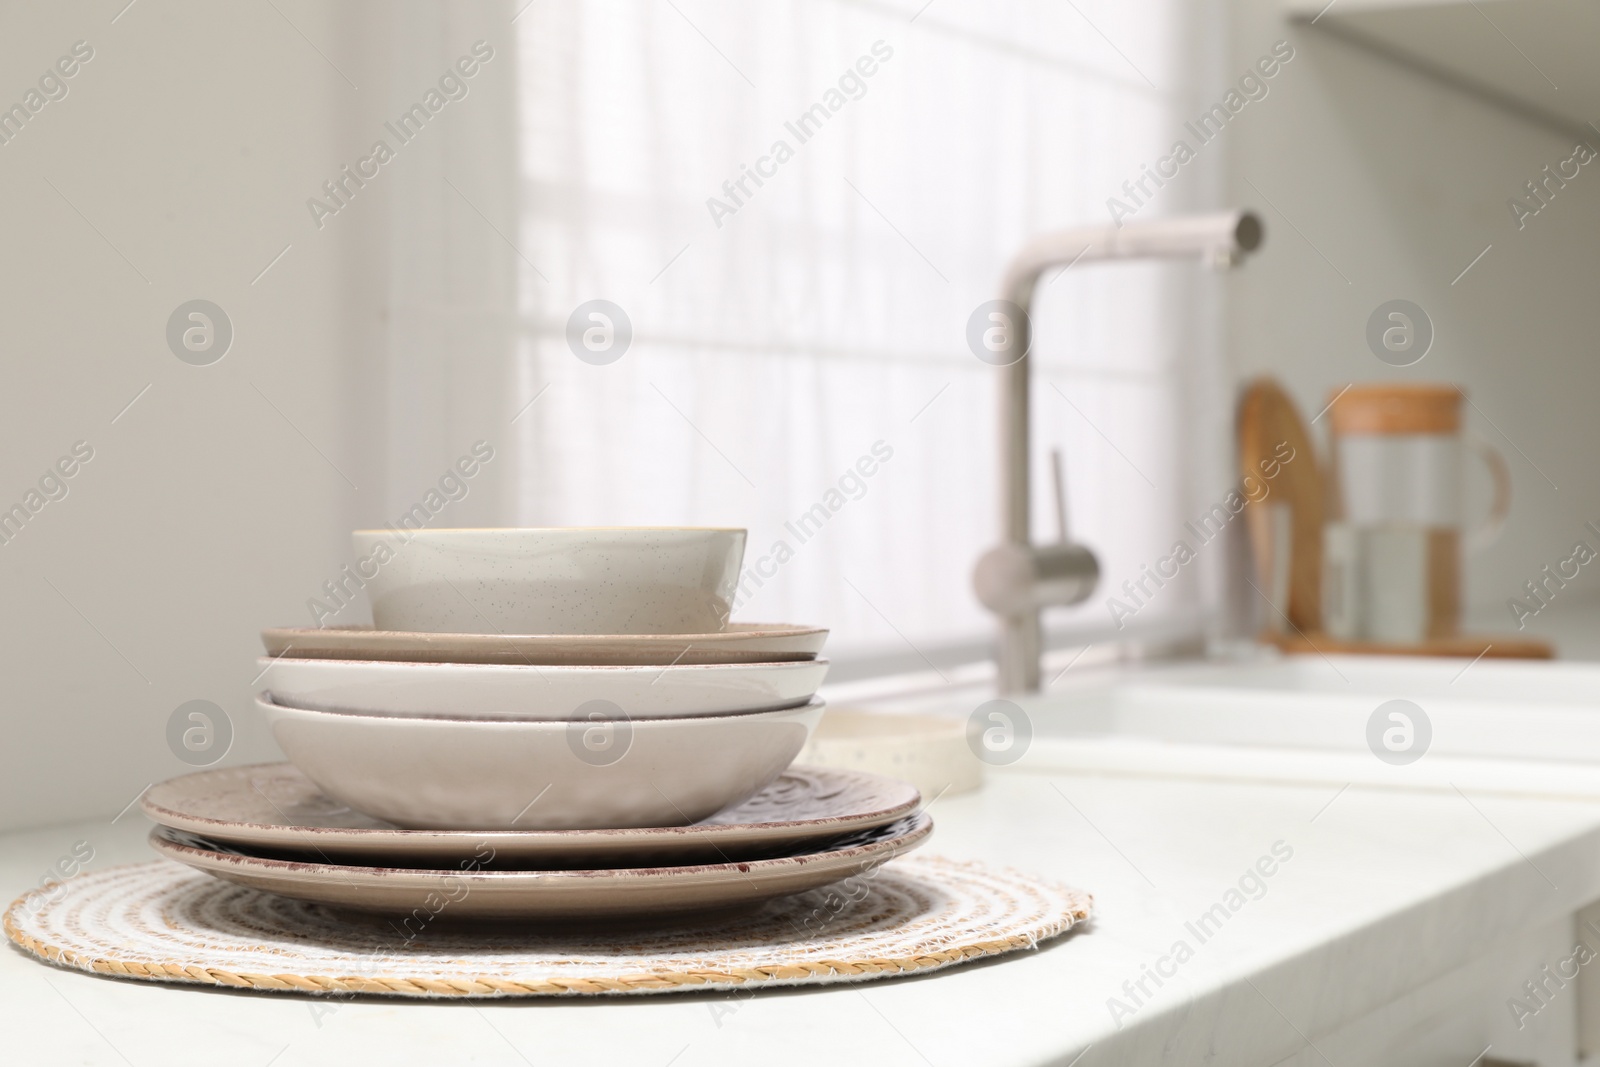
x: 162, y: 921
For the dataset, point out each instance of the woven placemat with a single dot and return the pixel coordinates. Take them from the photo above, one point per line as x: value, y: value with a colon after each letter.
x: 162, y: 921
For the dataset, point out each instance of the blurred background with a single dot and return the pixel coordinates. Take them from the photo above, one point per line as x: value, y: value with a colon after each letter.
x: 389, y: 311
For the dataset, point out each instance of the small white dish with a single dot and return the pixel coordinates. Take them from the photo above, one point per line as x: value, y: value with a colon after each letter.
x: 930, y: 752
x: 741, y: 642
x: 566, y: 580
x: 463, y: 774
x: 526, y: 691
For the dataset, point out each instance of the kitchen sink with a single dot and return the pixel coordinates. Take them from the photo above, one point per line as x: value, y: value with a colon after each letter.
x: 1486, y: 680
x: 1509, y: 726
x: 1510, y: 711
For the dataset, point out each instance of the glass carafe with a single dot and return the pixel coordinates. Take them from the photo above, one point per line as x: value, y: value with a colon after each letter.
x: 1396, y: 526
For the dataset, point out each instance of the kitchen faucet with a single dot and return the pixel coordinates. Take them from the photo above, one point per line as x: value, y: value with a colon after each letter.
x: 1018, y: 579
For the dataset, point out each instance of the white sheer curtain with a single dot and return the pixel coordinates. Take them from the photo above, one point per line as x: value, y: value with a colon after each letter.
x: 778, y: 346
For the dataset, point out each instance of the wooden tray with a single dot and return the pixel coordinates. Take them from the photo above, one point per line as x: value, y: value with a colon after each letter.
x: 1470, y: 646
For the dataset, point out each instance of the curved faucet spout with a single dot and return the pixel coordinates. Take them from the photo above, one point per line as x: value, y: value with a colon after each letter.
x: 1219, y: 240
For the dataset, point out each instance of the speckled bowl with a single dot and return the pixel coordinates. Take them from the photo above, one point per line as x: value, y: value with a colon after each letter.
x: 559, y: 580
x: 467, y: 774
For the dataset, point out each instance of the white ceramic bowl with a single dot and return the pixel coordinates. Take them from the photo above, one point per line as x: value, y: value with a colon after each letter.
x: 523, y: 691
x: 574, y: 580
x: 462, y: 774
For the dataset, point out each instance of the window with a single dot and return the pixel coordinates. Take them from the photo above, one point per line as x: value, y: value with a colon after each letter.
x: 797, y: 206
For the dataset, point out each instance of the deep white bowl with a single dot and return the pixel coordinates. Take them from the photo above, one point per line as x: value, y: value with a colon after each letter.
x: 524, y: 691
x: 462, y: 774
x: 566, y: 580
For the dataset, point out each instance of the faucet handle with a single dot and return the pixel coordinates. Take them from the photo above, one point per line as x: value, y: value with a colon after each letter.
x: 1058, y: 482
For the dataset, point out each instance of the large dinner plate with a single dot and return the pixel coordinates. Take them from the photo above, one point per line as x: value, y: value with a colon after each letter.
x: 272, y: 807
x: 469, y: 892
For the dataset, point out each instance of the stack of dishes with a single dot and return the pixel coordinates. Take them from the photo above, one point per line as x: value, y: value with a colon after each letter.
x: 547, y: 723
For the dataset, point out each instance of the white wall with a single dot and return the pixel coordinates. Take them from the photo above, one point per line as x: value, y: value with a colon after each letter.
x: 220, y: 501
x: 189, y: 142
x: 1400, y: 182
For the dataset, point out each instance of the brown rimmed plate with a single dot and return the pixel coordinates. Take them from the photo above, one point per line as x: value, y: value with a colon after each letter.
x: 273, y: 808
x: 613, y: 894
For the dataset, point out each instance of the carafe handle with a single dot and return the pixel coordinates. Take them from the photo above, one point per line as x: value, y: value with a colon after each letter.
x: 1488, y: 531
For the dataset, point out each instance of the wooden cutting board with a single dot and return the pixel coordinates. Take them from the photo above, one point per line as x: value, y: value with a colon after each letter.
x: 1268, y: 423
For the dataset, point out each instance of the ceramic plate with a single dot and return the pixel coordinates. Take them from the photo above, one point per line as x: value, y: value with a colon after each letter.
x: 586, y: 774
x: 471, y: 893
x: 521, y: 691
x: 741, y: 642
x: 272, y: 807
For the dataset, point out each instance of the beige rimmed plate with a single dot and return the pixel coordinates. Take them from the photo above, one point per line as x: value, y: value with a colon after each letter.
x: 272, y: 807
x: 625, y: 893
x: 523, y: 691
x: 741, y: 642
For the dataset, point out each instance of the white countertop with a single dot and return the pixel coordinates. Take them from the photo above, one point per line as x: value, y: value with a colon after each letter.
x: 1385, y: 890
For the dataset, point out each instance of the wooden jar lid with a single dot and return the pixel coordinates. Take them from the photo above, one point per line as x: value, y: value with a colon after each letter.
x: 1397, y: 409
